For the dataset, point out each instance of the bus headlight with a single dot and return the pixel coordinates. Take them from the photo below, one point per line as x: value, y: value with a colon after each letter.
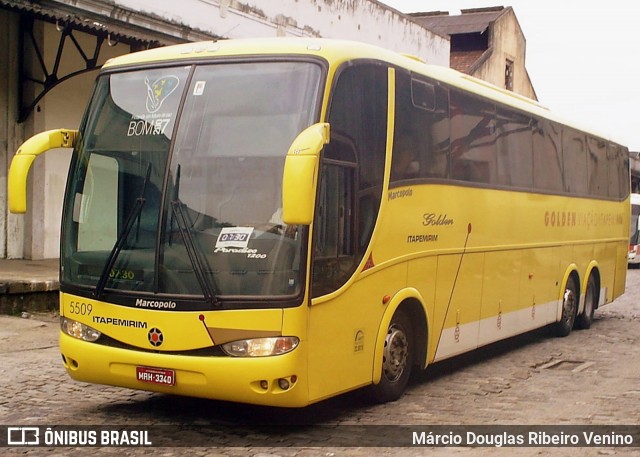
x: 79, y: 330
x: 261, y: 347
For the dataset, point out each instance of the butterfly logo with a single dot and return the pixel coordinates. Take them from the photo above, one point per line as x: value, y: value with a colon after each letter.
x: 159, y: 90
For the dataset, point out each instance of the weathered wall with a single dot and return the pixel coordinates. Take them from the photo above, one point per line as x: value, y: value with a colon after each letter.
x: 362, y: 20
x: 11, y: 226
x: 508, y: 42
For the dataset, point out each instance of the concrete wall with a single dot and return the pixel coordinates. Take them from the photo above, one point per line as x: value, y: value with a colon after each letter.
x: 508, y: 42
x: 11, y: 226
x: 362, y: 20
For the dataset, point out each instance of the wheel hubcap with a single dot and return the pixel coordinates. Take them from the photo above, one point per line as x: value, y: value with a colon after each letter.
x: 569, y: 306
x: 396, y: 352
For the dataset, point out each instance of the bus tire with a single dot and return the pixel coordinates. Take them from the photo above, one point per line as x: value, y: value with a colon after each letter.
x: 569, y: 308
x: 397, y: 360
x: 584, y: 320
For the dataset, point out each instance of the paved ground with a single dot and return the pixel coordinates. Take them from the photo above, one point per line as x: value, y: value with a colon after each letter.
x: 591, y: 377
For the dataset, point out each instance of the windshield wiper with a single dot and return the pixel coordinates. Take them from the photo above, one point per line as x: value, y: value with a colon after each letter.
x: 122, y: 238
x: 208, y: 288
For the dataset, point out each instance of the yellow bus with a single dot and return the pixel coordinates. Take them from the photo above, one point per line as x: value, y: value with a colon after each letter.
x: 279, y: 221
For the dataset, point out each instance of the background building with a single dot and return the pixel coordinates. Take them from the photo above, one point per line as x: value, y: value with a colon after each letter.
x: 487, y: 43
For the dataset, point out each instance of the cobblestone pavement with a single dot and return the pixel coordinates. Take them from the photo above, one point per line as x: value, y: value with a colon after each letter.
x: 589, y: 377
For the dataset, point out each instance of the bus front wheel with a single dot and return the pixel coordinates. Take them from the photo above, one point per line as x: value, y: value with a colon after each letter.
x: 569, y: 308
x: 397, y: 360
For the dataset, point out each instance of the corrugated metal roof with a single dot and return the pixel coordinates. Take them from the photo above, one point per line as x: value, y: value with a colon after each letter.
x: 470, y: 21
x: 76, y: 19
x: 157, y: 32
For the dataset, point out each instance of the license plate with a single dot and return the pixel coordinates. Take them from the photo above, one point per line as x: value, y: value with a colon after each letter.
x: 161, y: 376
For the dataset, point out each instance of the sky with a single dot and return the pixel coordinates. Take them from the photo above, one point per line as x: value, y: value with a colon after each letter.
x: 583, y: 57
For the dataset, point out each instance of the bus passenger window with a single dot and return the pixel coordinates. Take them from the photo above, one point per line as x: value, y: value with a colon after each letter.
x: 597, y: 167
x: 421, y: 137
x: 547, y: 160
x: 405, y: 163
x: 574, y: 155
x: 514, y: 149
x: 473, y: 140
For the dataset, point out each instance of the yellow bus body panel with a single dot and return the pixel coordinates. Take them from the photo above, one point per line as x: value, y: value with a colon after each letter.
x: 182, y: 331
x: 482, y: 264
x: 518, y: 245
x: 220, y: 378
x: 210, y: 376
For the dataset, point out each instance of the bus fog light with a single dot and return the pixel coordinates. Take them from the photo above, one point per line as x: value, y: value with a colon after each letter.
x: 79, y: 330
x: 283, y: 383
x: 261, y: 347
x: 264, y: 384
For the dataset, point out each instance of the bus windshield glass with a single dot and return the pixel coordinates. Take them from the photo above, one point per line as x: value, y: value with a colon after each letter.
x: 175, y: 186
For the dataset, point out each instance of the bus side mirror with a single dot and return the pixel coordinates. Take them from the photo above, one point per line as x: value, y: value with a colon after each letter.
x: 301, y: 174
x: 22, y: 161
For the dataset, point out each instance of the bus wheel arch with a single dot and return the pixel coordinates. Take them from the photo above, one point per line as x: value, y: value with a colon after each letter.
x: 419, y: 323
x: 570, y: 302
x: 402, y: 344
x: 591, y: 300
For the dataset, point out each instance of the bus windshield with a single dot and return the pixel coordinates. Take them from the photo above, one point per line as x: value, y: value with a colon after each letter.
x: 175, y: 186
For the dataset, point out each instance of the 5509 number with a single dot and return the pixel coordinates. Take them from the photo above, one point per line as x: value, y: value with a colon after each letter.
x: 82, y: 309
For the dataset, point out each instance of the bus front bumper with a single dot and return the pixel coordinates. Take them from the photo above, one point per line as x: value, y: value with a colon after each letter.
x: 274, y: 381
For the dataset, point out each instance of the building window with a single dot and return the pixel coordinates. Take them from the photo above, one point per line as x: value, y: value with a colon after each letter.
x: 508, y: 75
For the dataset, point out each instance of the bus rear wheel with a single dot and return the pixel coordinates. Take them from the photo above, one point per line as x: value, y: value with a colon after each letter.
x: 584, y: 320
x: 397, y: 360
x: 569, y: 308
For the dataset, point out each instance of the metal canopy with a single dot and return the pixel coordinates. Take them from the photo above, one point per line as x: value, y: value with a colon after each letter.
x: 35, y: 81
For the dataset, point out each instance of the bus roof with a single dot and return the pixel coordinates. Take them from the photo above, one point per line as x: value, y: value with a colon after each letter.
x: 336, y: 52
